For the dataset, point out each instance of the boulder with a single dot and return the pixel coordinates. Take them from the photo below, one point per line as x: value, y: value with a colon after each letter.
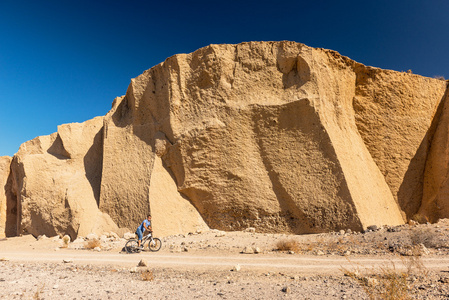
x: 143, y: 263
x: 129, y: 235
x: 248, y: 250
x: 92, y: 236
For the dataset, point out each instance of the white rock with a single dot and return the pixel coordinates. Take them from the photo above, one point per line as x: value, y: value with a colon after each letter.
x: 55, y: 238
x: 114, y: 236
x: 79, y: 240
x: 129, y: 235
x: 76, y: 246
x: 220, y: 234
x: 319, y: 252
x: 248, y: 250
x: 236, y: 268
x: 423, y: 249
x: 91, y: 236
x: 250, y: 229
x: 42, y: 237
x: 98, y: 249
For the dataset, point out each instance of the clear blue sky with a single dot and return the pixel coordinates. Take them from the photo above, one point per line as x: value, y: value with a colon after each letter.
x: 65, y: 61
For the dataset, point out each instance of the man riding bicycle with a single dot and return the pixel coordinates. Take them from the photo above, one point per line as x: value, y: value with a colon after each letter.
x: 146, y: 225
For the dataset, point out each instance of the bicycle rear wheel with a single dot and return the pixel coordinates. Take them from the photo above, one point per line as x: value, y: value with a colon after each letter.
x: 132, y: 246
x: 155, y: 244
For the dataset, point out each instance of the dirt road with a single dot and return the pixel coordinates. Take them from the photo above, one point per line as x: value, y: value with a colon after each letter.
x: 299, y: 264
x: 203, y: 266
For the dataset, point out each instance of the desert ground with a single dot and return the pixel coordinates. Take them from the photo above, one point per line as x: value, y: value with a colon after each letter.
x: 408, y: 261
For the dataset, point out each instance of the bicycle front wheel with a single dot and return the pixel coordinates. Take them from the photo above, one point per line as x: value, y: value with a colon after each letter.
x: 155, y: 244
x: 132, y: 246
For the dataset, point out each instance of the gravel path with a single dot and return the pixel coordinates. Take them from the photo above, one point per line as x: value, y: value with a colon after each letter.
x: 51, y: 281
x: 211, y: 265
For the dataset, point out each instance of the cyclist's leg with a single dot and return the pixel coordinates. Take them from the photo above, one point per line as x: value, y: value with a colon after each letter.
x: 140, y: 236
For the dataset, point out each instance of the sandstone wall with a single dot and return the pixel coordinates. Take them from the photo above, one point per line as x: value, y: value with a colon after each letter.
x: 127, y: 166
x: 274, y: 135
x: 134, y: 183
x: 8, y: 209
x: 57, y: 179
x: 394, y: 112
x: 259, y: 137
x: 172, y: 212
x: 435, y: 202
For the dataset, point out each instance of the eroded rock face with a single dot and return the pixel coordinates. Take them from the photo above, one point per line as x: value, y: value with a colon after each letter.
x: 273, y: 135
x: 394, y: 112
x: 8, y: 205
x: 264, y: 134
x: 134, y: 181
x: 435, y: 202
x: 57, y: 179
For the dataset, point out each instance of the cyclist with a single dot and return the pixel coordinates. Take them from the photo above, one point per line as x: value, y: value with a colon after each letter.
x: 146, y: 225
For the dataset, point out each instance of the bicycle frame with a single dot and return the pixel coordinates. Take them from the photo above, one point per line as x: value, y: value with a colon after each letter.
x: 148, y: 237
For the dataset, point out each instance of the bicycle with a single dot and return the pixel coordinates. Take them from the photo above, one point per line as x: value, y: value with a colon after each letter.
x: 154, y: 244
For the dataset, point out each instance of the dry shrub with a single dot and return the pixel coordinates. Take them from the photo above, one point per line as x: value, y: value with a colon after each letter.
x: 386, y: 282
x: 91, y: 244
x: 309, y: 247
x: 288, y: 245
x: 415, y: 264
x: 427, y: 237
x: 341, y: 245
x: 147, y: 275
x: 439, y: 77
x: 65, y: 241
x: 39, y: 291
x: 421, y: 219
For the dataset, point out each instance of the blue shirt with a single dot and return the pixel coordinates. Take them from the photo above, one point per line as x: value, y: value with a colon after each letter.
x: 142, y: 227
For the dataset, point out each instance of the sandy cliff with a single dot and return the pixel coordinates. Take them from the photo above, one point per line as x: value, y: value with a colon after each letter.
x: 274, y: 135
x: 8, y: 209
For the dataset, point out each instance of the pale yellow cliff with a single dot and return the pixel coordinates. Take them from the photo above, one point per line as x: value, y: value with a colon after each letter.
x: 7, y: 206
x: 274, y: 135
